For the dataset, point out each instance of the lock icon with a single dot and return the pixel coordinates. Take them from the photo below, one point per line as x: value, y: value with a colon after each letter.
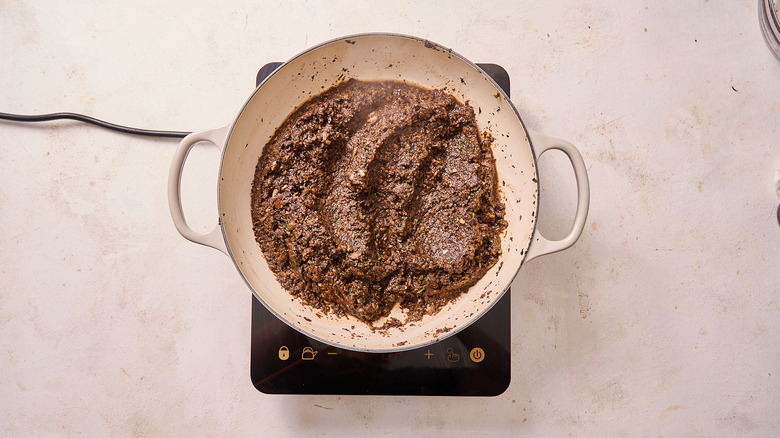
x: 308, y: 353
x: 284, y: 352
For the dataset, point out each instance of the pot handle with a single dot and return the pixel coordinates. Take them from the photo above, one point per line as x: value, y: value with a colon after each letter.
x: 211, y: 238
x: 539, y: 244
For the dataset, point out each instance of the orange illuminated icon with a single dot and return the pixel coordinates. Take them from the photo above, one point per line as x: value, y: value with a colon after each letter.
x: 477, y: 355
x: 308, y: 353
x: 284, y: 352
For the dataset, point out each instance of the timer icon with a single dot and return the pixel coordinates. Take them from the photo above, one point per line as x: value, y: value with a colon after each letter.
x: 477, y: 355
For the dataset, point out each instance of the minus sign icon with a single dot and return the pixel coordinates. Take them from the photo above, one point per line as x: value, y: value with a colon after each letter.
x: 332, y: 353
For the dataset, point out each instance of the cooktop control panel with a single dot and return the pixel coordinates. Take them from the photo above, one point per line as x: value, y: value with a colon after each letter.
x: 475, y: 361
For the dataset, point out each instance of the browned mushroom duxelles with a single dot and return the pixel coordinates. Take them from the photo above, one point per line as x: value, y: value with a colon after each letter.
x: 377, y: 193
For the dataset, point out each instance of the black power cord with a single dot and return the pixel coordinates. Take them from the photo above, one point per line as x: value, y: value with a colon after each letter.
x: 94, y: 121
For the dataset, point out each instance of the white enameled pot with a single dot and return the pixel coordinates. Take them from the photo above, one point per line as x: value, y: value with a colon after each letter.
x: 377, y: 57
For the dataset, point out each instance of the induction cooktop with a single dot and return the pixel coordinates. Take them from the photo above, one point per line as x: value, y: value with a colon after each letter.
x: 473, y: 362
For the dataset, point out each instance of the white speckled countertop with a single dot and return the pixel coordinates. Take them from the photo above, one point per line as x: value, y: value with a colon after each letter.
x: 663, y: 320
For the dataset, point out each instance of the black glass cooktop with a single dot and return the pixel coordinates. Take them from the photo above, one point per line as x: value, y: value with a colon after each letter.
x: 473, y: 362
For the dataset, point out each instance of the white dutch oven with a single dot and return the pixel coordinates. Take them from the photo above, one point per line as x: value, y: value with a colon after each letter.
x: 377, y: 57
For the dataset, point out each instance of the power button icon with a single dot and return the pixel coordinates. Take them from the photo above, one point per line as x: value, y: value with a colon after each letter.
x: 477, y: 355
